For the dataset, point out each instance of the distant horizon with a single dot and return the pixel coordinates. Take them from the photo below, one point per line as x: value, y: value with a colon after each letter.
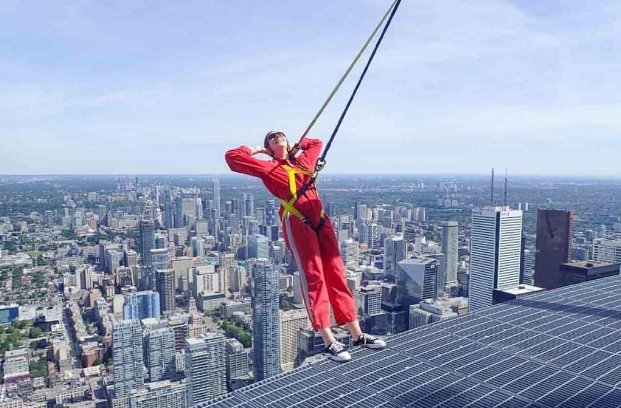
x: 499, y: 176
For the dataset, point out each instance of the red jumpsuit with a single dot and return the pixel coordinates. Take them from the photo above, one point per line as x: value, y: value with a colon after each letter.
x: 322, y: 273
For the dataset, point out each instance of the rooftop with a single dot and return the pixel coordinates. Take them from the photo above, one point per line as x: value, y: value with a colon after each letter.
x: 590, y: 264
x: 554, y: 348
x: 192, y: 341
x: 608, y: 242
x: 416, y: 261
x: 522, y: 289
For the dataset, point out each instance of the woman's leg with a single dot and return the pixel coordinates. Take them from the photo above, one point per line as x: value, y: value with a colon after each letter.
x: 326, y: 335
x: 304, y: 246
x: 354, y: 329
x: 341, y: 298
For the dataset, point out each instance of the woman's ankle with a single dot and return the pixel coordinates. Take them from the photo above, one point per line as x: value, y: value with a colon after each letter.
x: 327, y: 336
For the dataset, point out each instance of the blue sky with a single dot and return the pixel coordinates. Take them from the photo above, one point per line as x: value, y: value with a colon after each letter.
x: 168, y: 87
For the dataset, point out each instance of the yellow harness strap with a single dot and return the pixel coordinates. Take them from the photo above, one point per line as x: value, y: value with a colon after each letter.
x: 288, y: 205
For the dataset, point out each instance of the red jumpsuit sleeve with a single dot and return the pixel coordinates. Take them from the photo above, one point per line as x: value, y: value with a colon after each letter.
x: 311, y: 151
x: 241, y: 161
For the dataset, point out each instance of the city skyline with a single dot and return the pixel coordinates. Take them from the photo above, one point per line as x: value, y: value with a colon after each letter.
x: 147, y: 260
x: 90, y: 87
x: 74, y: 261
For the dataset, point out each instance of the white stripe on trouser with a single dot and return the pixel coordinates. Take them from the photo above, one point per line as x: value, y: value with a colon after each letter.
x: 303, y: 281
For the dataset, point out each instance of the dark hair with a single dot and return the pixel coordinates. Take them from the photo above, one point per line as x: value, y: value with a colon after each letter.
x: 266, y: 141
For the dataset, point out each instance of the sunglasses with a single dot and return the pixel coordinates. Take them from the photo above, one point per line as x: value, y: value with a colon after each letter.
x: 275, y: 136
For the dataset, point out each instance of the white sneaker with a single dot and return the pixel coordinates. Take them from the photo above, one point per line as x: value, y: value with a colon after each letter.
x: 366, y: 340
x: 337, y: 352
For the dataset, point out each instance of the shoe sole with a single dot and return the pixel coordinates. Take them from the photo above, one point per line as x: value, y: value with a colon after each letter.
x: 372, y: 346
x: 338, y: 359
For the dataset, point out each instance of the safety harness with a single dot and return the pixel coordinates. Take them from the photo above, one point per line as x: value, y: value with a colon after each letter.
x: 288, y: 205
x: 321, y: 161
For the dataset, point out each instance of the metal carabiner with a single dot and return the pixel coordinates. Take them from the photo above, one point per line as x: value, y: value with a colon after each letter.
x: 320, y: 164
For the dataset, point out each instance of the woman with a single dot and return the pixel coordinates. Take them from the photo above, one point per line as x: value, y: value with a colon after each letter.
x: 309, y: 235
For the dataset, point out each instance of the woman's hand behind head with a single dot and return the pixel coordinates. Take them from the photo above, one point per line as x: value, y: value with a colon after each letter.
x: 259, y: 150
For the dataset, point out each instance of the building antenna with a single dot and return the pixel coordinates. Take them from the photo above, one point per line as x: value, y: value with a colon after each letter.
x: 492, y: 198
x: 506, y: 183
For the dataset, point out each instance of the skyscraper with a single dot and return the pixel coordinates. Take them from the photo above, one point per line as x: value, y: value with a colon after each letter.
x: 270, y: 212
x: 216, y: 207
x: 160, y: 355
x: 159, y: 394
x: 205, y: 368
x: 258, y: 246
x: 205, y: 279
x: 395, y: 251
x: 199, y: 208
x: 350, y: 251
x: 237, y: 360
x: 554, y: 233
x: 291, y: 321
x: 247, y: 205
x: 202, y: 228
x: 226, y: 261
x: 114, y: 259
x: 141, y: 305
x: 416, y: 280
x: 494, y: 254
x: 168, y: 211
x: 373, y: 235
x: 298, y: 295
x: 277, y: 253
x: 360, y: 212
x: 160, y: 259
x: 127, y: 355
x: 363, y: 231
x: 198, y: 246
x: 188, y: 210
x: 265, y: 320
x: 101, y: 215
x: 178, y: 211
x: 440, y: 272
x: 166, y: 289
x: 371, y: 300
x: 528, y: 262
x: 450, y: 236
x: 607, y: 250
x: 147, y: 241
x: 181, y: 329
x: 160, y: 241
x: 523, y: 259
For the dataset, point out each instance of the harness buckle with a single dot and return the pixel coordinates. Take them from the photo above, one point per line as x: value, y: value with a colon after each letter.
x: 308, y: 222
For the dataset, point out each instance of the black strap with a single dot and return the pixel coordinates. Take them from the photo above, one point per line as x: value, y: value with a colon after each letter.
x: 351, y: 98
x: 322, y: 160
x: 308, y: 222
